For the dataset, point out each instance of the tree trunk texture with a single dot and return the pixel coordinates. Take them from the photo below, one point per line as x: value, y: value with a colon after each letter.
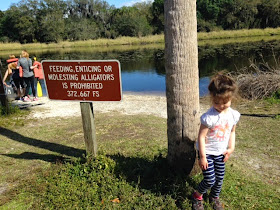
x: 182, y: 83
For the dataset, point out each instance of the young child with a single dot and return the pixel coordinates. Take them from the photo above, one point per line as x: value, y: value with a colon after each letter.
x: 216, y: 139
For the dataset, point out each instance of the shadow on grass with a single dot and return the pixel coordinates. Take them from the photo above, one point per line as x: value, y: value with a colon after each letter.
x: 156, y: 176
x: 54, y: 147
x: 28, y: 105
x: 261, y: 115
x: 35, y: 156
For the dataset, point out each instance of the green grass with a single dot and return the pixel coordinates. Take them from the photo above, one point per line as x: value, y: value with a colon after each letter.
x: 96, y: 183
x: 211, y: 38
x: 239, y: 33
x: 9, y: 109
x: 12, y: 115
x: 43, y: 164
x: 243, y: 191
x: 89, y: 43
x: 275, y: 98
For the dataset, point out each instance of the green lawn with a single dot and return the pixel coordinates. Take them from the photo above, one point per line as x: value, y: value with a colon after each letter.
x: 43, y: 164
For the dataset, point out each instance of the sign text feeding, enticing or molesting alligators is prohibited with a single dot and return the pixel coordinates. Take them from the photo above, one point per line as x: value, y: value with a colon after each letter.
x: 83, y: 80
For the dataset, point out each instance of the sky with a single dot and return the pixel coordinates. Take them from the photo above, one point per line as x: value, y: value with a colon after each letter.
x: 5, y: 4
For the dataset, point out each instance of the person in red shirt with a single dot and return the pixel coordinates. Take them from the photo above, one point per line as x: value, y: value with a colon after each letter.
x: 38, y: 74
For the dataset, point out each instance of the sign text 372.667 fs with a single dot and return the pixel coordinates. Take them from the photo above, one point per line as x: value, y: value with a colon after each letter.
x: 83, y: 80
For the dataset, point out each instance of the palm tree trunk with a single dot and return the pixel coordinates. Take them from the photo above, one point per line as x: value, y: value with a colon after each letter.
x: 182, y: 80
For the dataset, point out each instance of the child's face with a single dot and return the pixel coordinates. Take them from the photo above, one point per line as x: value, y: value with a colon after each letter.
x: 221, y: 105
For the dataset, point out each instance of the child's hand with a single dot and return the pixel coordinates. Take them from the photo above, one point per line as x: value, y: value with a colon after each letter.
x: 227, y: 153
x: 203, y: 163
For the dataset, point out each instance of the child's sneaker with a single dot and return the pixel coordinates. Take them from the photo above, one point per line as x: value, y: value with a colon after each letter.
x: 197, y: 204
x: 35, y: 99
x: 216, y: 203
x: 26, y: 99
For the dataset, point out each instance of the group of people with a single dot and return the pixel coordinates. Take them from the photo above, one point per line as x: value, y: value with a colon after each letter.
x: 24, y: 75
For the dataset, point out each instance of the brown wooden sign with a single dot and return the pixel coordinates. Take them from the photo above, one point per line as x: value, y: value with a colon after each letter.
x: 83, y: 80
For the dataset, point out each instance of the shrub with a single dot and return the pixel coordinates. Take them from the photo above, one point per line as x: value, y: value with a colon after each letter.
x: 258, y: 81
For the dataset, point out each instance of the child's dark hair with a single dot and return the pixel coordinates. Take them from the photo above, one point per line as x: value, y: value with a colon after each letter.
x: 222, y: 87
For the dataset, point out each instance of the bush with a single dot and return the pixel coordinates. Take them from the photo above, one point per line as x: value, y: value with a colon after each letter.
x: 4, y: 39
x: 275, y: 99
x: 259, y: 83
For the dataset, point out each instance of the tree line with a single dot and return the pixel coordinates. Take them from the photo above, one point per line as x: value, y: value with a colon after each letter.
x: 46, y: 21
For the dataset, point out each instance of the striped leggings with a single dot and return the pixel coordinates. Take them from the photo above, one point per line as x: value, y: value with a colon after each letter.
x: 213, y: 176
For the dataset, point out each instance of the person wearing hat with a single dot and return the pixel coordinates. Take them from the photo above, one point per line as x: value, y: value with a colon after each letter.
x: 15, y: 74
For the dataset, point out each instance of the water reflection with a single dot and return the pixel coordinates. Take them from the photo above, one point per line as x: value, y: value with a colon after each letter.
x: 139, y: 82
x: 143, y: 67
x: 153, y: 83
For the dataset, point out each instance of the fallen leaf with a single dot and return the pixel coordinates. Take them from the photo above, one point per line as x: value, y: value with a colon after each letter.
x: 116, y: 200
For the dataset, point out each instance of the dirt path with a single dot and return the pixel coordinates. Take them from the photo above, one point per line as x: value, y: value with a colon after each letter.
x: 130, y: 105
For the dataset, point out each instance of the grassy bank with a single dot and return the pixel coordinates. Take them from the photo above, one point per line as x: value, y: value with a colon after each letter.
x: 43, y: 164
x: 221, y: 36
x: 231, y: 34
x: 88, y: 43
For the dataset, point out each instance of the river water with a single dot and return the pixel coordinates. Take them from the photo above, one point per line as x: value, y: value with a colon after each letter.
x: 142, y: 67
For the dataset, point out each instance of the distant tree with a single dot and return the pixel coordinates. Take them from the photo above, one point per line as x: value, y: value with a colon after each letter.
x: 51, y: 20
x: 208, y: 9
x: 8, y: 23
x: 96, y: 12
x: 226, y: 14
x: 81, y: 29
x: 158, y: 16
x: 129, y: 21
x: 26, y: 29
x: 145, y: 9
x: 182, y: 92
x: 19, y: 21
x: 55, y: 20
x: 52, y: 27
x: 238, y: 14
x: 208, y: 12
x: 269, y: 13
x: 3, y: 38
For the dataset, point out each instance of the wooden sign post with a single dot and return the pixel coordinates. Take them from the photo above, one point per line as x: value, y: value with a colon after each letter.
x: 84, y: 81
x: 89, y: 127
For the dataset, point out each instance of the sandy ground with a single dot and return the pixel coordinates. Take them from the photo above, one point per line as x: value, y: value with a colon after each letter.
x: 130, y: 105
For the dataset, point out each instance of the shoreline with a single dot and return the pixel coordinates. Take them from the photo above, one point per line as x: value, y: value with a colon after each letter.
x: 203, y: 37
x: 131, y: 104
